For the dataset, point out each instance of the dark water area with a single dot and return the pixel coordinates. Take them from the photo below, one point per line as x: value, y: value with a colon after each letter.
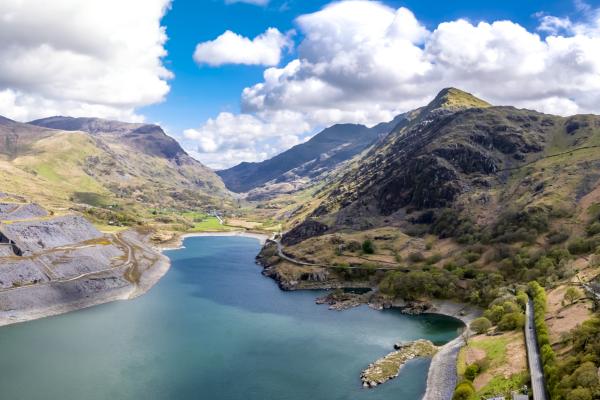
x: 213, y: 328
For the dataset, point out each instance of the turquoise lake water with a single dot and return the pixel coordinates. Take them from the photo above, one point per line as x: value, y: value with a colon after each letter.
x: 213, y: 328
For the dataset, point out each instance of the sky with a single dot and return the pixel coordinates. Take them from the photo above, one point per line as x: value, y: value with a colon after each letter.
x: 242, y: 80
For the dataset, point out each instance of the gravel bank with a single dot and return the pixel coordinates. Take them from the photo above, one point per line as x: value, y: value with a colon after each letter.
x: 442, y: 376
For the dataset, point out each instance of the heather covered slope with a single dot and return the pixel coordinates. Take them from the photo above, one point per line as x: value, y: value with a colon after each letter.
x: 319, y: 155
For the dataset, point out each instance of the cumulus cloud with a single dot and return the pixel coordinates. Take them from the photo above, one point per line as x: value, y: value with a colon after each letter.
x: 227, y: 138
x: 231, y: 48
x: 362, y: 61
x: 98, y: 57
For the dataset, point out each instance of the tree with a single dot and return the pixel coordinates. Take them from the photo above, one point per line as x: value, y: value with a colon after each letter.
x: 572, y: 294
x: 481, y: 325
x: 367, y: 247
x: 494, y: 313
x: 580, y: 394
x: 464, y: 391
x: 511, y: 321
x: 471, y: 372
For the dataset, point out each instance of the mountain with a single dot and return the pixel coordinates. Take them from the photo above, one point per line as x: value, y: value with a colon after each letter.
x: 307, y: 161
x: 473, y: 203
x: 461, y: 177
x: 61, y: 161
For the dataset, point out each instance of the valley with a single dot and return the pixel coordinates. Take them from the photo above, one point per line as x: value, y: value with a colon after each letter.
x: 456, y: 202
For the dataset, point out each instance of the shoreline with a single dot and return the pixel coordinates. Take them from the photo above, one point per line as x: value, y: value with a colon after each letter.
x: 177, y: 243
x: 442, y: 374
x: 441, y: 377
x: 47, y: 300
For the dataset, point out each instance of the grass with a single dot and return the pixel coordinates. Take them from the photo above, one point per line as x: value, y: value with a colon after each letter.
x: 502, y: 386
x: 210, y: 224
x: 495, y: 349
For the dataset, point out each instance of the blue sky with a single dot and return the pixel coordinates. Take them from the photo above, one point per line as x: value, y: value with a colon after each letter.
x: 200, y: 92
x: 233, y: 83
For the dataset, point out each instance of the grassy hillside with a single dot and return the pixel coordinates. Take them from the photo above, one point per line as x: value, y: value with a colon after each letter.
x: 134, y: 174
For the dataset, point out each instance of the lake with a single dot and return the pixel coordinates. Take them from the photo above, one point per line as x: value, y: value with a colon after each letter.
x: 213, y: 328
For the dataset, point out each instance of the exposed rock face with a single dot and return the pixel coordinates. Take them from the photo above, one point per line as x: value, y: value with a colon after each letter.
x: 308, y: 228
x: 13, y: 211
x: 35, y: 236
x: 65, y: 264
x: 456, y: 152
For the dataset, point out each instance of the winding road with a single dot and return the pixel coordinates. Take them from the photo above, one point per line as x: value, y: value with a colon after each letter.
x: 533, y: 355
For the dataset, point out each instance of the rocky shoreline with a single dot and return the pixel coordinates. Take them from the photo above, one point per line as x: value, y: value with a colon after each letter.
x: 442, y: 375
x: 389, y: 367
x: 31, y: 302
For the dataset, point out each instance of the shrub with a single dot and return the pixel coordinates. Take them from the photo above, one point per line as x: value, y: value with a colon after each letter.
x: 463, y: 391
x: 593, y: 229
x: 572, y: 294
x: 511, y: 321
x: 416, y: 257
x: 434, y: 259
x: 481, y: 325
x: 580, y: 394
x: 471, y: 256
x: 522, y: 299
x: 494, y: 314
x: 557, y: 237
x: 368, y: 247
x: 538, y: 295
x: 471, y: 372
x: 581, y: 246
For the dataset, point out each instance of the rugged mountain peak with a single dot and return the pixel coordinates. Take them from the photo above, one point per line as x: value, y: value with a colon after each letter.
x: 148, y: 138
x: 453, y: 99
x: 90, y: 125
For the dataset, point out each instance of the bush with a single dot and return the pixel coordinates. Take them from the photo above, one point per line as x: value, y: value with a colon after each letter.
x: 557, y: 237
x: 581, y: 246
x: 511, y: 321
x: 471, y: 372
x: 494, y: 314
x: 434, y: 259
x: 593, y: 229
x: 572, y: 294
x: 368, y: 247
x: 471, y: 256
x: 538, y: 296
x: 463, y: 391
x: 522, y: 299
x: 580, y: 394
x: 416, y: 257
x: 481, y: 325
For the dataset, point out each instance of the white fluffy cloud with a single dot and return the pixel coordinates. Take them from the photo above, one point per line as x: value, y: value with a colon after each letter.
x: 231, y: 48
x: 362, y: 61
x: 97, y: 57
x: 229, y: 138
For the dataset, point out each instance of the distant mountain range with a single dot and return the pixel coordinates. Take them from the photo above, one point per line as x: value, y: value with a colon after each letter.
x: 307, y: 161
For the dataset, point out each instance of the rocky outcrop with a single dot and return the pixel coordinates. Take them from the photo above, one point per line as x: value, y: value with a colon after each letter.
x: 389, y: 367
x: 43, y: 234
x: 305, y: 230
